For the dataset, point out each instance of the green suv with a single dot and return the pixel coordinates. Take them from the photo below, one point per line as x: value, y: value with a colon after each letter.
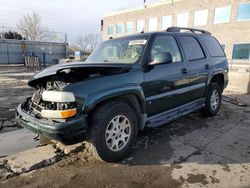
x: 127, y: 84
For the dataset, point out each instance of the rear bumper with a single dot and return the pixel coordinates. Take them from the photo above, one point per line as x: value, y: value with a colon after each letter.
x: 65, y: 132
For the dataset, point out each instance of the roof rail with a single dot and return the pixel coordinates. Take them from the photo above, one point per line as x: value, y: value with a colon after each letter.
x: 178, y: 29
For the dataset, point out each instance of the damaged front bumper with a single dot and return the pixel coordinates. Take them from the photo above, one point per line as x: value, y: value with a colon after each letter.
x: 67, y: 132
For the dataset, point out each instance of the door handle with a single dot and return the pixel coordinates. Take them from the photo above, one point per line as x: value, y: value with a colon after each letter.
x: 207, y: 66
x: 184, y: 71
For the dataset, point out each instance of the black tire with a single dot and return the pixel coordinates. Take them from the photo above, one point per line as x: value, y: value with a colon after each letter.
x: 209, y: 109
x: 101, y: 119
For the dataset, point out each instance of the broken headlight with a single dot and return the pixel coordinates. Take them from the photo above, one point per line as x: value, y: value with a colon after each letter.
x: 58, y: 104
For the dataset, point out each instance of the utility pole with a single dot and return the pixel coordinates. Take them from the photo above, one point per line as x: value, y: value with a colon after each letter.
x: 66, y: 45
x: 144, y: 3
x: 65, y: 38
x: 27, y: 36
x: 3, y: 30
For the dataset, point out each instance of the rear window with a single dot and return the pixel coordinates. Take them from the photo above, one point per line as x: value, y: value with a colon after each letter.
x: 192, y: 48
x: 213, y: 46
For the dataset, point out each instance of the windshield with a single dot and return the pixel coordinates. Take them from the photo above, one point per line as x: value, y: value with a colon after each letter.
x: 123, y: 50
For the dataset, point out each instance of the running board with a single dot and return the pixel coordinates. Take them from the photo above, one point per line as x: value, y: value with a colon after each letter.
x: 169, y: 116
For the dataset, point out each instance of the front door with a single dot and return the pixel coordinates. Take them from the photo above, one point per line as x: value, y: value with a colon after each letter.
x: 166, y: 85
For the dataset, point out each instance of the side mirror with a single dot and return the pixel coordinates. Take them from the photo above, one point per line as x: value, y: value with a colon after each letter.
x: 162, y: 58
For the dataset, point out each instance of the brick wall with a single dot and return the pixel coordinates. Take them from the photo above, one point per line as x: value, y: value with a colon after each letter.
x: 227, y: 33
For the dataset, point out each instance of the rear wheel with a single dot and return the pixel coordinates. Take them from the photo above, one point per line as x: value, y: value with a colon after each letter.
x: 114, y: 129
x: 213, y: 100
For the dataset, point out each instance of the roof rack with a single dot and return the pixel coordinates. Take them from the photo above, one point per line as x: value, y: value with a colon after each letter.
x: 178, y: 29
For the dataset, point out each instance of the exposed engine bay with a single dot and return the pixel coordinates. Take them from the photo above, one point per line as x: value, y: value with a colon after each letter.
x: 53, y: 84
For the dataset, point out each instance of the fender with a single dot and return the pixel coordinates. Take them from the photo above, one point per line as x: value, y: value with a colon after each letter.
x: 94, y: 99
x: 211, y: 74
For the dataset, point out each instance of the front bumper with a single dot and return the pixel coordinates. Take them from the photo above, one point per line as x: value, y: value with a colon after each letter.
x: 66, y: 132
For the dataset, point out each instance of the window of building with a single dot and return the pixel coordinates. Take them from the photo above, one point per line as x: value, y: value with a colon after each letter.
x: 111, y: 29
x: 140, y: 25
x: 241, y: 51
x: 166, y: 44
x: 182, y: 20
x: 244, y: 11
x: 222, y: 14
x: 213, y: 46
x: 200, y: 17
x: 152, y: 24
x: 192, y: 48
x: 119, y: 28
x: 166, y: 22
x: 129, y: 27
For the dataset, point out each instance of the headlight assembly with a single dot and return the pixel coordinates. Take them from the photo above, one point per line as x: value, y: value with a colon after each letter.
x: 58, y: 105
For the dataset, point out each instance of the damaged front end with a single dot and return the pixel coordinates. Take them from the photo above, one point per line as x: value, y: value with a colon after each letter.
x: 52, y: 114
x: 56, y: 113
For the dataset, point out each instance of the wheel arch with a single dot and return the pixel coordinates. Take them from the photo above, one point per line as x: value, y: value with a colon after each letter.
x: 133, y: 96
x: 217, y: 78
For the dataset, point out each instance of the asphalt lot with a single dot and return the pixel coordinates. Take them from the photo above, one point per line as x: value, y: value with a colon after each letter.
x: 190, y: 152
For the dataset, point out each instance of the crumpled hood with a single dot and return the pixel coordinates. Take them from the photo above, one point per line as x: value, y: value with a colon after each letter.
x: 55, y: 69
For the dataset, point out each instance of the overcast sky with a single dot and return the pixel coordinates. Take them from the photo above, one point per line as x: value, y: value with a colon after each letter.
x: 75, y: 17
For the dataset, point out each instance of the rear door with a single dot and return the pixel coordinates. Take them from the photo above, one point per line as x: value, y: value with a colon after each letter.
x: 199, y: 65
x: 165, y: 85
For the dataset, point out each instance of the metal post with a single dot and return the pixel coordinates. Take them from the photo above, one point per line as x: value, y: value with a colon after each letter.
x: 8, y: 55
x: 44, y: 63
x: 27, y: 45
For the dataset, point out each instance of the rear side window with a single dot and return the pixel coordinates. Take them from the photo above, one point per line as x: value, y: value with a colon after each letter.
x: 213, y: 46
x: 192, y: 48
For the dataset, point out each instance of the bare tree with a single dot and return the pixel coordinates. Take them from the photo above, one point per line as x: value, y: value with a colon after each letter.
x: 93, y: 40
x: 83, y: 42
x: 31, y: 25
x: 89, y: 41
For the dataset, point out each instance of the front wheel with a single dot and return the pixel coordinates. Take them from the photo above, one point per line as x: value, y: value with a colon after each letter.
x: 114, y: 130
x: 213, y: 100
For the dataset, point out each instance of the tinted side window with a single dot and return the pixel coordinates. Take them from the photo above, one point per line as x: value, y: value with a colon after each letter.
x: 166, y: 44
x: 192, y: 48
x: 213, y: 46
